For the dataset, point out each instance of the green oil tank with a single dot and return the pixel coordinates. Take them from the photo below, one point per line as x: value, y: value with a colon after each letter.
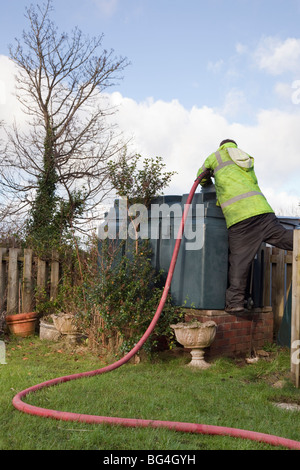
x: 200, y: 275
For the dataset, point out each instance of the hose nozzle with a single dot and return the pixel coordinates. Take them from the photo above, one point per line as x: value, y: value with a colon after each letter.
x: 204, y: 174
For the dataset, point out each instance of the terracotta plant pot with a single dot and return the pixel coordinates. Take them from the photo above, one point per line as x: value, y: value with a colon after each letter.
x: 22, y: 324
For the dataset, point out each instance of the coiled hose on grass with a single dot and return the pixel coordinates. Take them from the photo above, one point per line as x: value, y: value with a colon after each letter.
x: 19, y: 404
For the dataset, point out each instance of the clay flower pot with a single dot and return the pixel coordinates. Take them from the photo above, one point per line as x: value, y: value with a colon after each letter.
x: 22, y: 324
x: 196, y: 336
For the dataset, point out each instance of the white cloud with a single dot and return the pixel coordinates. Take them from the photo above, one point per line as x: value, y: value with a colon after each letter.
x: 234, y: 103
x: 107, y: 7
x: 9, y: 106
x: 276, y: 56
x: 215, y: 67
x: 284, y: 91
x: 185, y: 138
x: 241, y: 48
x: 285, y: 203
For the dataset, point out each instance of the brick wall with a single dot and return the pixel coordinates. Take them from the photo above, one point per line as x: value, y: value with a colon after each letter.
x: 236, y: 336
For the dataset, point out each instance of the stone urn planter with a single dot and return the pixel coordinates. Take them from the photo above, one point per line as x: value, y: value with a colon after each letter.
x: 65, y: 324
x: 22, y: 324
x: 48, y: 331
x: 196, y: 336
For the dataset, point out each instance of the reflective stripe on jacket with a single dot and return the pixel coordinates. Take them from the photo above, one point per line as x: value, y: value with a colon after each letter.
x: 236, y: 184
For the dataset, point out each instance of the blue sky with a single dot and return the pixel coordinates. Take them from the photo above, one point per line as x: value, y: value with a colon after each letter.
x: 199, y: 71
x: 185, y: 50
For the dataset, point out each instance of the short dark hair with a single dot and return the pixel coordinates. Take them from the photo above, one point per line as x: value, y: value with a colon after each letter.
x: 226, y: 141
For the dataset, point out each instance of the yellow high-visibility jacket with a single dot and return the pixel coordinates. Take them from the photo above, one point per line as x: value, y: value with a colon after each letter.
x: 236, y: 184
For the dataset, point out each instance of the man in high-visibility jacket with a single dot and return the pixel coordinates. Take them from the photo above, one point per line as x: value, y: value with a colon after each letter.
x: 249, y: 217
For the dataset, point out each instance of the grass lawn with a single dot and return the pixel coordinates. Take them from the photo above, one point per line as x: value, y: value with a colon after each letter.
x: 231, y: 393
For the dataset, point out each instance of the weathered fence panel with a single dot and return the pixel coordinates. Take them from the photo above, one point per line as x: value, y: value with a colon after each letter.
x: 27, y: 287
x: 281, y: 274
x: 54, y: 275
x: 277, y: 281
x: 22, y: 275
x: 41, y: 274
x: 2, y: 280
x: 295, y: 320
x: 13, y: 281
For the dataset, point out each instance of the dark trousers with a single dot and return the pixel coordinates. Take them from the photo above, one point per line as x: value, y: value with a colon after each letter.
x: 245, y: 239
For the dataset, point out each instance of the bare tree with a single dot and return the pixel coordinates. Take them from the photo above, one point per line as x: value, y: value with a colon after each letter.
x: 61, y: 82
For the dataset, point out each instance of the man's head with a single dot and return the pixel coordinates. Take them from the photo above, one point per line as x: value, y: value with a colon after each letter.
x: 227, y: 141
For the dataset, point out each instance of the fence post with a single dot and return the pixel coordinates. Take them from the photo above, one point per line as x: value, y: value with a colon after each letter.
x: 289, y: 272
x: 41, y: 279
x: 54, y: 276
x: 295, y: 323
x: 13, y: 281
x: 267, y: 276
x: 278, y: 274
x: 2, y: 279
x: 27, y: 281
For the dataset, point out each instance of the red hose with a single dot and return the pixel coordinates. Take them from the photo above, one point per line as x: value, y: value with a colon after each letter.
x: 130, y: 422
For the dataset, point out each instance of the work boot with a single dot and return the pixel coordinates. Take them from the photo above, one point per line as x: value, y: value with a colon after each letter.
x: 235, y: 310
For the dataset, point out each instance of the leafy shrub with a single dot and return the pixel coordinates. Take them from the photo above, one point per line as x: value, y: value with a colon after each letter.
x: 124, y: 298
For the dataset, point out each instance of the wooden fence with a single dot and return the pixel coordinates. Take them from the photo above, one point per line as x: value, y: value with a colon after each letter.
x: 277, y: 281
x: 295, y: 317
x: 281, y: 276
x: 22, y: 275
